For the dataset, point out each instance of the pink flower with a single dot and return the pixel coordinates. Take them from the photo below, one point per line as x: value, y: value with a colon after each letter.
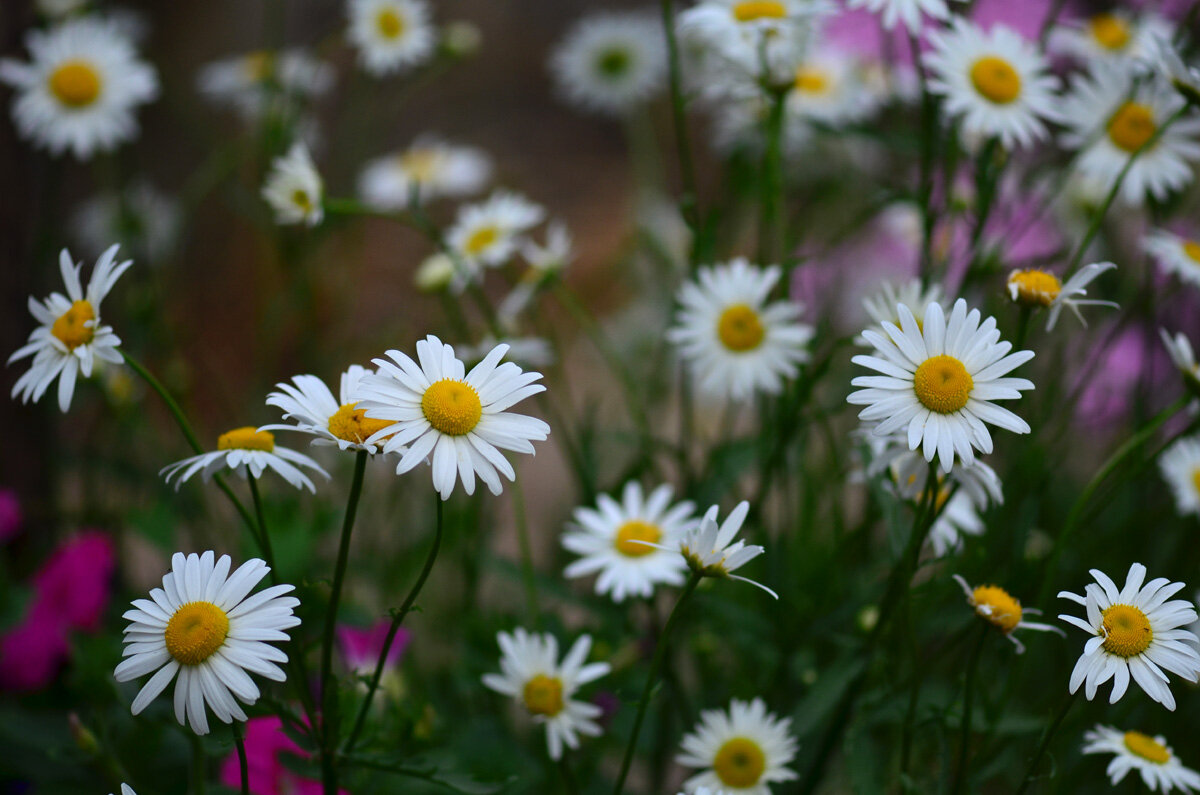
x: 10, y: 514
x: 74, y: 583
x: 265, y: 742
x: 32, y: 652
x: 360, y: 646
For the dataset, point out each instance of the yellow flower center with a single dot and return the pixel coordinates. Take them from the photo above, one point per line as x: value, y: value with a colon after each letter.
x: 750, y: 10
x: 1005, y: 611
x: 389, y: 23
x: 740, y: 762
x: 419, y: 165
x: 996, y: 80
x: 1196, y: 479
x: 75, y: 84
x: 943, y: 384
x: 740, y: 328
x: 1192, y: 249
x: 72, y: 329
x: 258, y: 66
x: 811, y: 80
x: 1035, y: 287
x: 452, y: 407
x: 1127, y: 631
x: 246, y: 438
x: 354, y: 425
x: 543, y: 695
x: 301, y: 199
x: 1147, y: 748
x: 196, y: 631
x: 636, y: 530
x: 481, y: 239
x: 1109, y: 31
x: 1131, y: 126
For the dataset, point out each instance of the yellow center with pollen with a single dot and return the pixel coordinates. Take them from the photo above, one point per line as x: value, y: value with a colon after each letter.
x: 811, y: 80
x: 195, y: 632
x: 1005, y: 611
x: 1192, y: 249
x: 740, y: 762
x: 353, y: 425
x: 481, y: 239
x: 258, y: 66
x: 75, y: 84
x: 301, y: 199
x: 750, y: 10
x: 543, y: 695
x: 1127, y: 631
x: 419, y: 165
x: 942, y: 384
x: 996, y: 80
x: 452, y: 407
x: 1109, y: 31
x: 1131, y: 126
x: 1035, y: 287
x: 740, y: 328
x: 633, y: 531
x: 389, y: 23
x: 72, y: 329
x: 1196, y: 479
x: 1147, y: 748
x: 246, y: 438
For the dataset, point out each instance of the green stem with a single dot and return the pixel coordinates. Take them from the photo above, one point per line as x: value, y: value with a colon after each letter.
x: 527, y: 571
x: 240, y: 741
x: 964, y: 743
x: 925, y: 187
x: 1041, y: 751
x: 688, y: 200
x: 770, y: 234
x: 199, y: 765
x: 570, y: 783
x: 264, y: 537
x: 172, y: 406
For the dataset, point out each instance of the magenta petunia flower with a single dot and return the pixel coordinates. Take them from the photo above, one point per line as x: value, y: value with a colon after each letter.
x: 360, y: 646
x: 266, y: 742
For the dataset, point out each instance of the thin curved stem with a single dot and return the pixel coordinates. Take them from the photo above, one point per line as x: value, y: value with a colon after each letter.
x: 527, y: 571
x: 240, y: 741
x: 964, y: 743
x: 688, y: 200
x: 1049, y: 735
x: 264, y: 537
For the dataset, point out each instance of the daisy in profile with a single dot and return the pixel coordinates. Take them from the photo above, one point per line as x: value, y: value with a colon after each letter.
x: 610, y: 63
x: 1180, y: 467
x: 70, y: 338
x: 311, y: 406
x: 246, y: 450
x: 1003, y: 611
x: 1115, y: 36
x: 253, y: 83
x: 735, y: 342
x: 294, y: 188
x: 743, y: 750
x: 938, y: 381
x: 391, y: 35
x: 1034, y: 287
x: 881, y: 306
x: 80, y: 89
x: 1154, y: 760
x: 531, y: 673
x: 1135, y: 634
x: 1179, y: 348
x: 437, y: 411
x: 490, y: 232
x: 607, y: 537
x: 1174, y: 254
x: 907, y: 12
x: 709, y: 548
x: 996, y: 82
x: 203, y: 626
x: 429, y: 169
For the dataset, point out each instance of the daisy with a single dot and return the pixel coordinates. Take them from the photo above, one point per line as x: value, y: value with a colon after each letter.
x: 1151, y: 757
x: 749, y: 35
x: 610, y: 63
x: 906, y: 11
x: 141, y: 217
x: 1174, y: 254
x: 709, y: 549
x: 829, y: 87
x: 310, y: 404
x: 457, y: 421
x: 606, y: 537
x: 939, y: 381
x: 531, y: 674
x: 429, y: 169
x: 957, y: 517
x: 996, y: 82
x: 243, y: 449
x: 1035, y: 287
x: 909, y: 473
x: 1185, y: 79
x: 488, y: 233
x: 80, y: 89
x: 1136, y: 634
x: 736, y: 343
x: 1180, y: 466
x: 743, y: 750
x: 1179, y: 348
x: 126, y: 790
x: 202, y: 626
x: 391, y: 35
x: 294, y: 188
x: 254, y: 82
x: 1000, y: 609
x: 1115, y: 36
x: 881, y: 306
x: 70, y: 338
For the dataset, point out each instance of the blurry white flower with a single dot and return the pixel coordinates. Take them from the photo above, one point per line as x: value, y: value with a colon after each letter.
x: 1154, y: 760
x: 611, y: 63
x: 391, y: 35
x: 741, y: 751
x: 429, y: 169
x: 1115, y: 36
x: 255, y: 83
x: 489, y: 232
x: 1174, y: 254
x: 294, y: 188
x: 1180, y: 467
x: 143, y: 219
x: 907, y: 12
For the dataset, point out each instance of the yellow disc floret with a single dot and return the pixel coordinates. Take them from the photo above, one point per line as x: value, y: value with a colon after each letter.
x: 943, y: 384
x: 543, y: 695
x: 811, y: 80
x: 740, y: 762
x: 75, y: 84
x: 997, y: 606
x: 750, y: 10
x: 1034, y: 287
x: 633, y: 531
x: 740, y: 328
x: 1126, y: 630
x: 72, y: 329
x: 353, y: 425
x: 996, y: 80
x: 1112, y: 33
x: 1132, y: 126
x: 246, y: 438
x: 481, y: 239
x: 1192, y: 249
x: 419, y: 165
x: 1196, y: 479
x: 389, y: 23
x: 452, y: 407
x: 195, y: 632
x: 1147, y: 748
x: 303, y: 200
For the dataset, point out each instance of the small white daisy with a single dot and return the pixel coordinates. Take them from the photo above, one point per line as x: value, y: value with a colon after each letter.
x: 294, y: 188
x: 735, y: 342
x: 1180, y: 466
x: 1136, y: 633
x: 909, y: 472
x: 391, y: 35
x: 1034, y: 287
x: 611, y: 63
x: 81, y: 87
x: 310, y: 404
x: 488, y: 233
x: 1179, y: 348
x: 142, y: 218
x: 203, y: 626
x: 1154, y: 760
x: 1115, y: 36
x: 457, y: 421
x: 907, y: 12
x: 1174, y: 254
x: 244, y: 449
x: 881, y: 305
x: 531, y: 673
x: 742, y: 751
x: 709, y: 548
x: 70, y: 338
x: 995, y: 81
x: 759, y: 39
x: 829, y: 87
x: 255, y: 83
x: 939, y: 380
x: 429, y: 169
x: 1183, y: 78
x: 1003, y: 611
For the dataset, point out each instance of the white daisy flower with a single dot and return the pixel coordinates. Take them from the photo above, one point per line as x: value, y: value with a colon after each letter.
x: 488, y: 233
x: 734, y: 342
x: 294, y: 188
x: 253, y: 83
x: 242, y: 449
x: 70, y: 338
x: 311, y: 406
x: 742, y: 751
x: 1003, y: 611
x: 610, y: 63
x: 957, y: 517
x: 126, y: 790
x: 142, y: 218
x: 1115, y: 36
x: 829, y: 87
x: 1174, y: 254
x: 1151, y: 757
x: 909, y: 472
x: 907, y: 12
x: 429, y: 169
x: 202, y: 626
x: 709, y: 550
x: 1180, y: 466
x: 1183, y: 78
x: 939, y: 380
x: 1179, y: 348
x: 531, y: 674
x: 1035, y: 287
x: 1136, y: 634
x: 80, y: 89
x: 608, y: 539
x: 457, y: 421
x: 749, y: 35
x: 391, y: 35
x: 881, y: 305
x: 995, y: 81
x: 554, y: 255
